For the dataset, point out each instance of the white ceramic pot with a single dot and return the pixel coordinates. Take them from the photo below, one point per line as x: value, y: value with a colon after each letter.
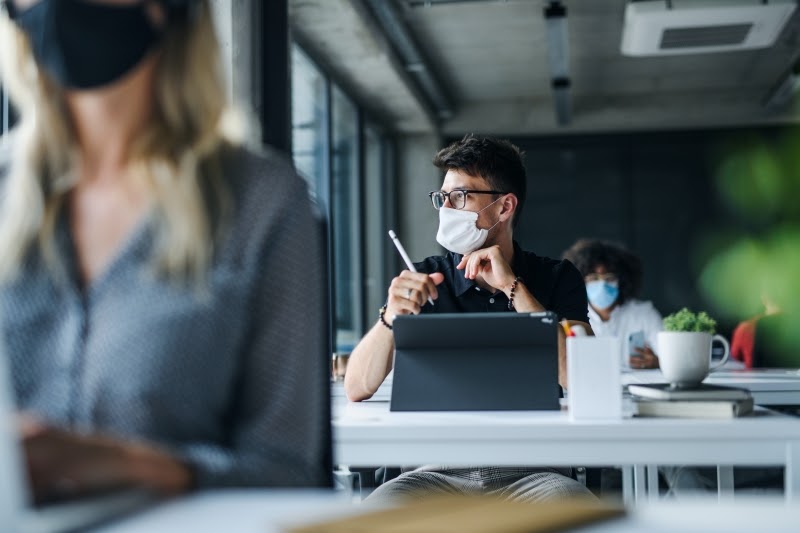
x: 685, y: 357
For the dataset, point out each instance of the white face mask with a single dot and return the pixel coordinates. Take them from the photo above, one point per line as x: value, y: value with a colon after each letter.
x: 459, y: 231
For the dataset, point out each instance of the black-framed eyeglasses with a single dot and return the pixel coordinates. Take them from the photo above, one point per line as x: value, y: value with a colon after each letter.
x: 456, y: 197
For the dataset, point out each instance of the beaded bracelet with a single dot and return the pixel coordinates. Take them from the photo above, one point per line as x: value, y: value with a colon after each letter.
x: 511, y: 294
x: 383, y: 320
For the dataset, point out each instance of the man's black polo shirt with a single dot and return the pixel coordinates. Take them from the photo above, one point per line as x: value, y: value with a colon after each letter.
x: 557, y: 285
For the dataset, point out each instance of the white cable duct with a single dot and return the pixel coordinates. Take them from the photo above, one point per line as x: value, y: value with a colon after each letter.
x: 395, y: 29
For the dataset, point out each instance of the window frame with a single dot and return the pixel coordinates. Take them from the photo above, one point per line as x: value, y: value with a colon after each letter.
x: 364, y: 245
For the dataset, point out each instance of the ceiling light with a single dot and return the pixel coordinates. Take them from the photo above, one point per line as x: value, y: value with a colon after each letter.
x: 555, y: 15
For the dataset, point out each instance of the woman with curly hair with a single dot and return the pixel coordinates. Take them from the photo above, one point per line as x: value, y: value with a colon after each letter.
x: 613, y: 278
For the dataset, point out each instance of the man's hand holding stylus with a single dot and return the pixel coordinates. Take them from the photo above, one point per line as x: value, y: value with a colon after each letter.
x: 410, y: 291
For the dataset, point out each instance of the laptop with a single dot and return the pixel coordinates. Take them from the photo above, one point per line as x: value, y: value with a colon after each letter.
x: 476, y: 362
x: 16, y: 513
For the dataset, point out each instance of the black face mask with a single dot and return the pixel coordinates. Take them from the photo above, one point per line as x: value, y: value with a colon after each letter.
x: 83, y: 44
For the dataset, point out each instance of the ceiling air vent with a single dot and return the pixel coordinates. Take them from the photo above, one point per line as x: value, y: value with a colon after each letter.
x: 732, y: 34
x: 694, y: 26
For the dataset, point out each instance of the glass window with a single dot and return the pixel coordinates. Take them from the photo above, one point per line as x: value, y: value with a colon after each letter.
x: 377, y: 203
x: 309, y: 124
x: 345, y: 203
x: 350, y: 175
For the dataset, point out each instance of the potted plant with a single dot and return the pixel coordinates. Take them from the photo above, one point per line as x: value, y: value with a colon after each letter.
x: 685, y: 320
x: 684, y: 347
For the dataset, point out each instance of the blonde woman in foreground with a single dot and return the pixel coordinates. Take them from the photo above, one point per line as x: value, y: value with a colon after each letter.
x: 153, y: 271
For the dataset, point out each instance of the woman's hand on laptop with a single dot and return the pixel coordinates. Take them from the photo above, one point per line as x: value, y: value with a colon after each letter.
x: 409, y: 292
x: 64, y: 464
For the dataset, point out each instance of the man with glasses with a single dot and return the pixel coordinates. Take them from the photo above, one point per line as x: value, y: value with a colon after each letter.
x: 485, y: 270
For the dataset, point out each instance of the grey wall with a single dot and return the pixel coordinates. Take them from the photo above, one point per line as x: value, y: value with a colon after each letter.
x: 234, y: 22
x: 237, y: 23
x: 654, y: 192
x: 417, y: 176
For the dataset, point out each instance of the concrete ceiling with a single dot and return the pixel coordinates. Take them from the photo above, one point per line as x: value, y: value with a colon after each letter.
x: 491, y: 57
x: 341, y: 36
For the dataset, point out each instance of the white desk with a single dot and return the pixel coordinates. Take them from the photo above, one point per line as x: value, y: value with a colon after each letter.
x: 236, y: 510
x: 262, y: 511
x: 768, y: 387
x: 367, y: 433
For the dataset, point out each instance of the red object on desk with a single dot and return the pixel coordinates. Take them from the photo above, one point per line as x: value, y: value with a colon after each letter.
x: 743, y: 342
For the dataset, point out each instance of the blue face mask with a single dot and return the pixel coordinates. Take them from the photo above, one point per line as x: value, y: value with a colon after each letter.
x: 602, y: 294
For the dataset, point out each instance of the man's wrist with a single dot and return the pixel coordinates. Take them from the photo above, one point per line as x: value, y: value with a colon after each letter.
x: 511, y: 293
x: 386, y: 321
x: 513, y: 283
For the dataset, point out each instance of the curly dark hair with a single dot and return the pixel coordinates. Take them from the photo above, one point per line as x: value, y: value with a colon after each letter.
x: 497, y: 161
x: 588, y: 254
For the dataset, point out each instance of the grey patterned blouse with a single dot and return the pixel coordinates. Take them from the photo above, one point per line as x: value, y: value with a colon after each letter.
x: 231, y: 381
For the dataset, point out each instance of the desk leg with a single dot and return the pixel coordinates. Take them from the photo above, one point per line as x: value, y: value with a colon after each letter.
x: 791, y: 480
x: 639, y: 482
x: 652, y: 483
x: 344, y: 477
x: 628, y: 498
x: 725, y: 482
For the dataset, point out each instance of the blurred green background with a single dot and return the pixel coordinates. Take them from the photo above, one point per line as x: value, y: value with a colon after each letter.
x: 759, y: 267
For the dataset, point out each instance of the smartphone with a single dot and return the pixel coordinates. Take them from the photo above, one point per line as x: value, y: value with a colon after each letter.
x: 635, y: 340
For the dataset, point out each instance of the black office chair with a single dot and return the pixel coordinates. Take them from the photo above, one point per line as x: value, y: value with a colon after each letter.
x: 325, y: 376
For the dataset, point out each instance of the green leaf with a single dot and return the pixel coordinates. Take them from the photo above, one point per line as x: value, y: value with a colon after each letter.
x: 686, y: 320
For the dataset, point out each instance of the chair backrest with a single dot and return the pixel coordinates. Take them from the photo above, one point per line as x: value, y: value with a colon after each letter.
x: 327, y: 342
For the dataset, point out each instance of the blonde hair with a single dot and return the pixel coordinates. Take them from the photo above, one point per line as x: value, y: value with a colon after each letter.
x: 178, y: 150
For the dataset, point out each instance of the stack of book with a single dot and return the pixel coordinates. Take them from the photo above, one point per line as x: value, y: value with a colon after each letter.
x: 704, y: 401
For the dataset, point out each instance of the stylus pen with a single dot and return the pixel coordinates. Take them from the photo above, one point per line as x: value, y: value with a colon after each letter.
x: 404, y: 255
